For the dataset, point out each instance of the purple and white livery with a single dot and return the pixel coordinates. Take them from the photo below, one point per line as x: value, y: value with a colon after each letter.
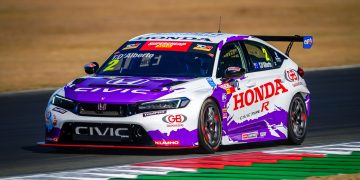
x: 184, y: 90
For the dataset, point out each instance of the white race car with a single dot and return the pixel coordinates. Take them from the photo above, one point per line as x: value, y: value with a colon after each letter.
x: 184, y: 90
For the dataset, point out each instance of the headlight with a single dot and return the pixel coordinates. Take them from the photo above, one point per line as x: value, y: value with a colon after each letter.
x: 63, y: 102
x: 163, y: 104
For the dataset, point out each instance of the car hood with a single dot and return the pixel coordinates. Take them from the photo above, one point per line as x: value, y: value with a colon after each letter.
x: 121, y: 90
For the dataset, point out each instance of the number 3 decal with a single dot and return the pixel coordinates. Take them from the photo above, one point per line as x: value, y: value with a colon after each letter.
x: 267, y: 58
x: 111, y: 65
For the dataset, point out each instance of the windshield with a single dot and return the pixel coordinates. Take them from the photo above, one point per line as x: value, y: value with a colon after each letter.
x: 161, y: 59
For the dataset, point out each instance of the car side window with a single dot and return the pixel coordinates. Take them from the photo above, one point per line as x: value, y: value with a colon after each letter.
x: 230, y: 56
x: 277, y: 57
x: 259, y: 56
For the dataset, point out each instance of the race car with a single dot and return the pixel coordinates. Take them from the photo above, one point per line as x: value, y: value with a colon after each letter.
x: 184, y: 90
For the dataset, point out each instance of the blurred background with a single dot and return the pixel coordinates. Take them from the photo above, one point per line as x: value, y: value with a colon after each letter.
x: 46, y: 43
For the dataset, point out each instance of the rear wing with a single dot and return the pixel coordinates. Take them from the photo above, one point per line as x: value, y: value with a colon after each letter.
x: 306, y: 40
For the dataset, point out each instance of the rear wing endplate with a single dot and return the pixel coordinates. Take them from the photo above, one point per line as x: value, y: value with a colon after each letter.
x: 306, y: 40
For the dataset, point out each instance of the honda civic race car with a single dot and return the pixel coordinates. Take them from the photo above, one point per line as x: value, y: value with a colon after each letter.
x: 184, y: 90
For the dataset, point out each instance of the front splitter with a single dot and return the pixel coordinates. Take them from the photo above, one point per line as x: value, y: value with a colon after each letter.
x: 114, y: 146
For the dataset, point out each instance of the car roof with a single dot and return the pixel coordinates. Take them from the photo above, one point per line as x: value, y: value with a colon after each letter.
x: 208, y: 37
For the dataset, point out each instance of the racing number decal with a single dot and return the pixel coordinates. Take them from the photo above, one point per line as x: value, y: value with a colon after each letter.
x: 267, y: 58
x: 111, y: 65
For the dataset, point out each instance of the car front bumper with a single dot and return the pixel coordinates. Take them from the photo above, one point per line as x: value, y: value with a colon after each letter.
x: 146, y: 130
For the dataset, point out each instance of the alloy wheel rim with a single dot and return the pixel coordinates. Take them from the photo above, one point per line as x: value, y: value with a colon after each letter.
x: 211, y: 126
x: 298, y: 117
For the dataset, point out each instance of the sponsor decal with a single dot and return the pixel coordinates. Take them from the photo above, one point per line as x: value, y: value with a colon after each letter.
x: 291, y: 75
x: 262, y: 65
x: 307, y: 42
x: 297, y: 84
x: 225, y: 115
x: 166, y: 46
x: 122, y: 81
x: 211, y: 82
x: 103, y: 131
x: 173, y: 38
x: 131, y: 46
x: 133, y: 55
x: 59, y: 110
x: 146, y: 114
x: 225, y: 86
x: 248, y: 115
x: 256, y: 65
x: 209, y: 34
x: 112, y: 90
x: 174, y: 120
x: 203, y: 47
x: 228, y: 88
x: 258, y: 94
x: 224, y: 112
x: 277, y: 58
x: 250, y: 135
x: 167, y: 142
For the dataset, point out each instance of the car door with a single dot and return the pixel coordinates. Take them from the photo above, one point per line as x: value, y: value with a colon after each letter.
x: 250, y: 100
x: 231, y: 55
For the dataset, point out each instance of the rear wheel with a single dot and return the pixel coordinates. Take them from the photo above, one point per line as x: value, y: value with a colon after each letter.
x: 297, y: 120
x: 210, y: 129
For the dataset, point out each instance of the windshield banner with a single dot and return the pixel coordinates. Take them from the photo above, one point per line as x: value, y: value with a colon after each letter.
x: 166, y: 46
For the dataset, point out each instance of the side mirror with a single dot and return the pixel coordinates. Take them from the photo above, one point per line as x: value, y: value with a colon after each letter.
x: 231, y: 72
x: 91, y: 68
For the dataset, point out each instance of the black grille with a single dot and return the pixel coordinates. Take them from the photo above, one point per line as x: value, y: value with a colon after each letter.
x: 106, y: 110
x: 104, y: 134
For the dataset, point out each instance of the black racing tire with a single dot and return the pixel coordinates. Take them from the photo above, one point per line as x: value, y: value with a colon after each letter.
x: 209, y: 127
x: 297, y: 121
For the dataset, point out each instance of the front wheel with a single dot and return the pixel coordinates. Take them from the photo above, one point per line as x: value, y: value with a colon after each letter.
x: 209, y: 129
x: 297, y: 120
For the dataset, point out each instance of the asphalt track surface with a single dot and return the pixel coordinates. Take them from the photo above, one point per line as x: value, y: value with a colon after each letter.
x: 334, y: 119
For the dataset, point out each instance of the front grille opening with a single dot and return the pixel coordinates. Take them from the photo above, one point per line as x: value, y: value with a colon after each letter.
x: 104, y: 134
x: 106, y: 110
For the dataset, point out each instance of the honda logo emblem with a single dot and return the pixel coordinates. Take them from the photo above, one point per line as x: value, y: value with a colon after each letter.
x: 101, y: 106
x: 130, y: 81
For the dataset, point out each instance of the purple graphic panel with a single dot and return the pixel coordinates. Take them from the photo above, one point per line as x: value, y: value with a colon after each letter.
x: 121, y: 90
x: 307, y: 102
x: 271, y: 126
